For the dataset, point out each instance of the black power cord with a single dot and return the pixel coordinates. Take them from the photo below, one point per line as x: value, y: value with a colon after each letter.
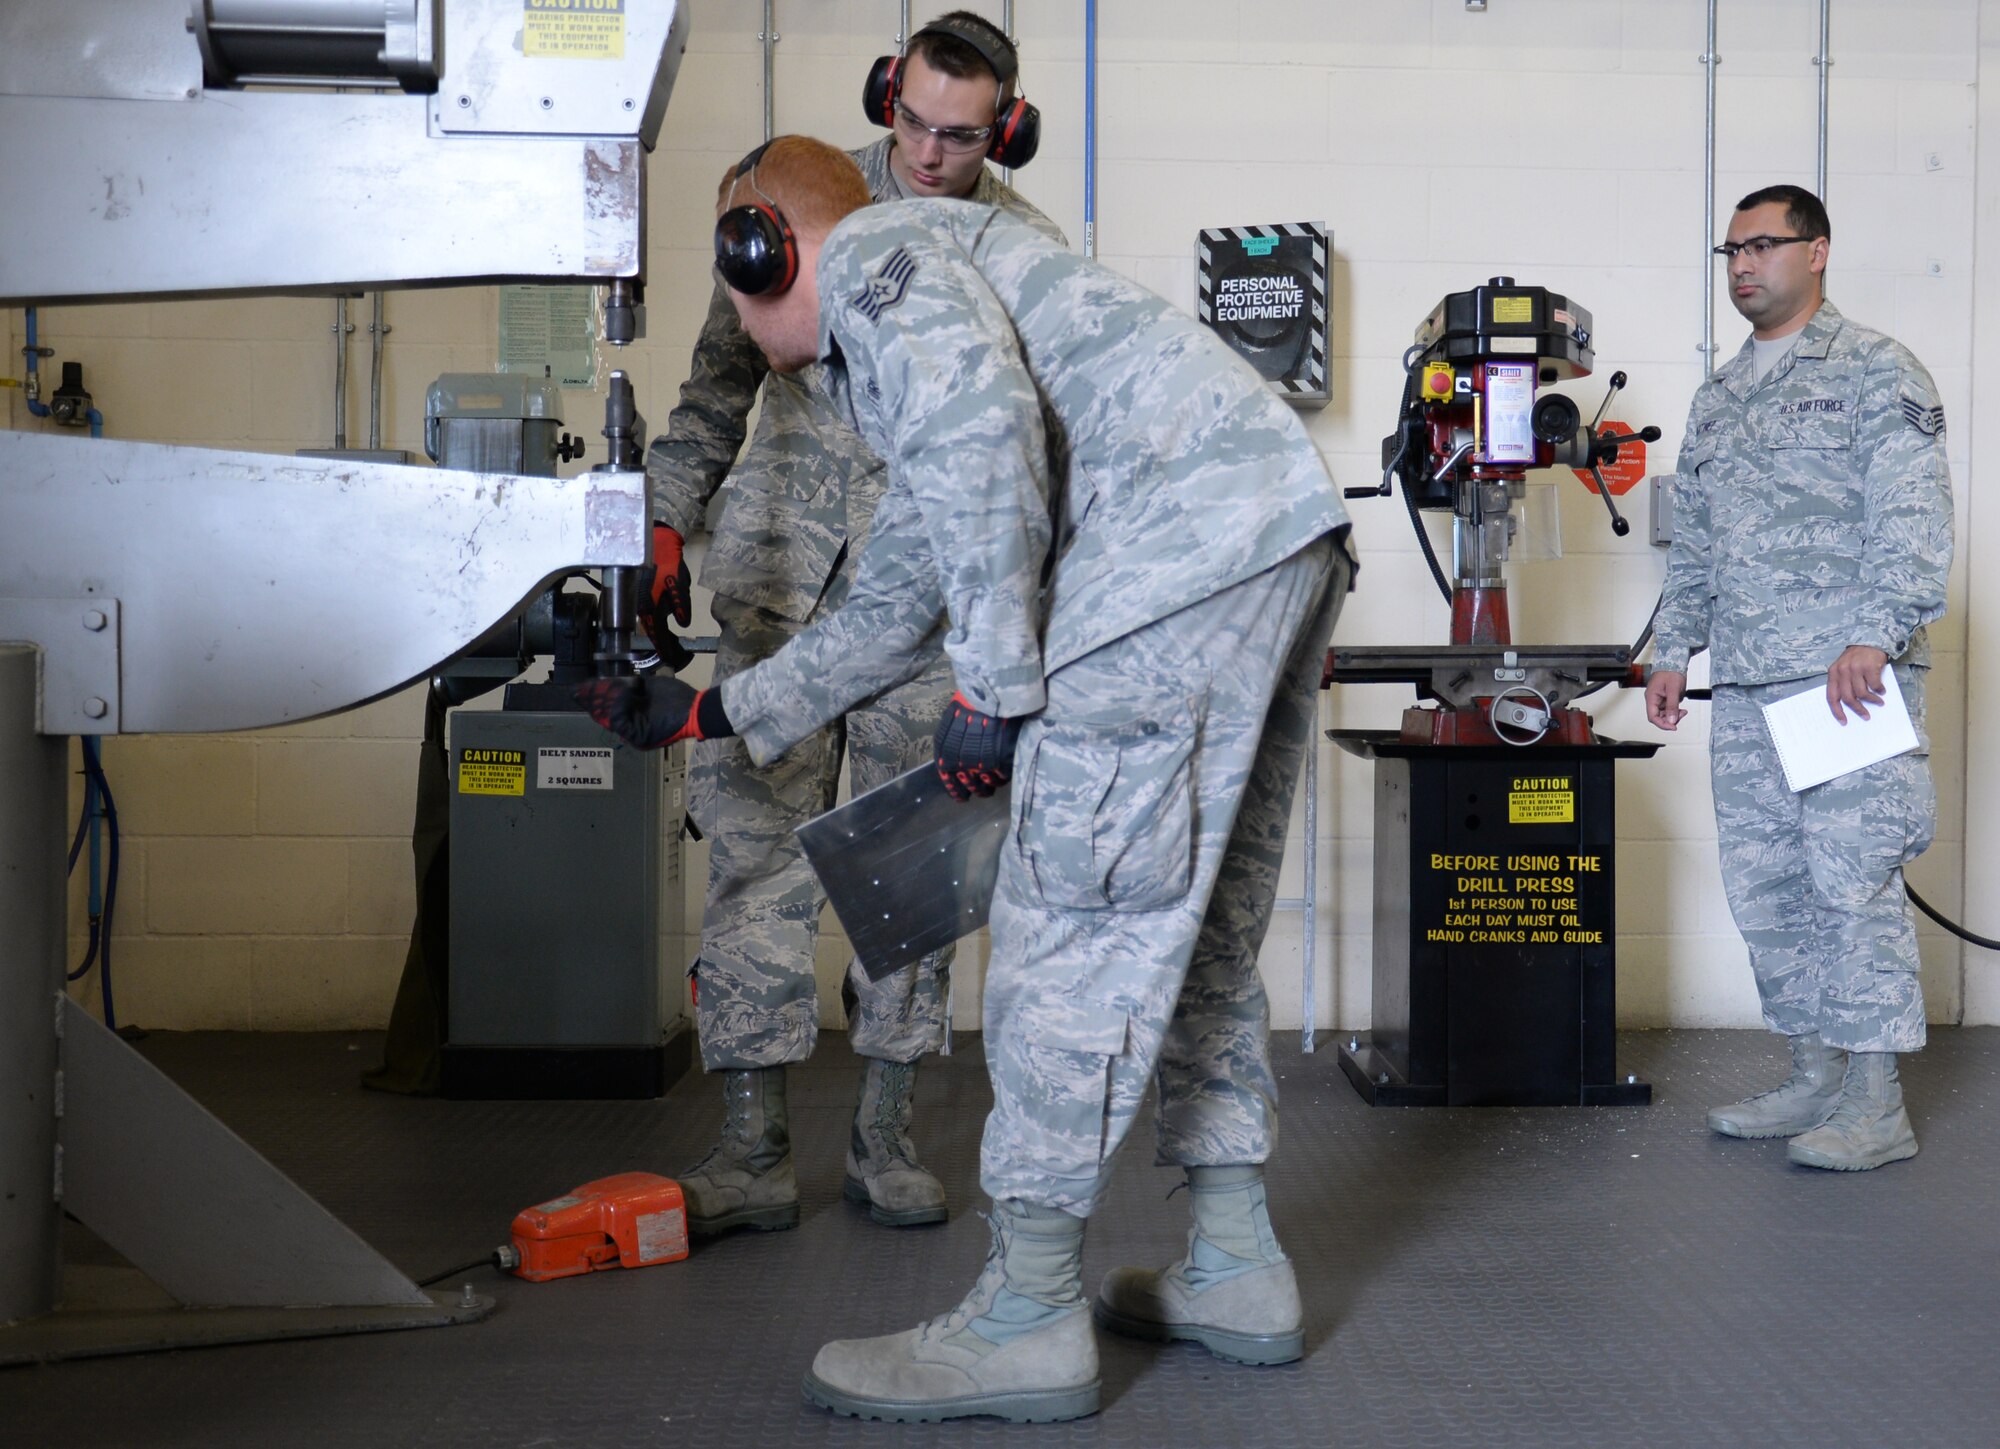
x: 1638, y: 647
x: 1952, y: 926
x: 1645, y: 637
x: 501, y: 1258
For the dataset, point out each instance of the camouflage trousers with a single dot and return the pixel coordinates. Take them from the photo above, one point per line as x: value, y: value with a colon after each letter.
x: 1815, y: 879
x: 1151, y: 800
x: 757, y: 993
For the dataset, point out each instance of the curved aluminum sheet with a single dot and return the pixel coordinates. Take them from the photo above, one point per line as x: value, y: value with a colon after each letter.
x: 256, y: 589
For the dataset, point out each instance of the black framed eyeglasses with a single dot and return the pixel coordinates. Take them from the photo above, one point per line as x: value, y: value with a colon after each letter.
x: 1759, y: 247
x: 952, y: 138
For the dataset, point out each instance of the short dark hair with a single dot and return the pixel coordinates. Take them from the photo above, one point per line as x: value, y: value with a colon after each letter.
x: 944, y: 52
x: 1804, y: 213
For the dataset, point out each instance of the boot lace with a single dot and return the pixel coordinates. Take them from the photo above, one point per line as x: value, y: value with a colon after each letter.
x: 890, y: 1124
x: 735, y: 1140
x: 992, y: 1278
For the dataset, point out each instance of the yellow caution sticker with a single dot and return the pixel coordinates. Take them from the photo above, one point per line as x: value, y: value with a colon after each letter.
x: 1513, y: 309
x: 573, y: 29
x: 492, y: 772
x: 1542, y: 800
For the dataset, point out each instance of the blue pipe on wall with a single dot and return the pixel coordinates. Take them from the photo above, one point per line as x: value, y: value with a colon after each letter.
x: 35, y: 405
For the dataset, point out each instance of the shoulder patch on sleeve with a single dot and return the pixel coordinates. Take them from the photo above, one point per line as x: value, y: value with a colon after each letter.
x: 1928, y: 420
x: 886, y: 287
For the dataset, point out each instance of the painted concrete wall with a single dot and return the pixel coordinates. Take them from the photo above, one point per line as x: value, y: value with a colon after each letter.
x: 1555, y: 141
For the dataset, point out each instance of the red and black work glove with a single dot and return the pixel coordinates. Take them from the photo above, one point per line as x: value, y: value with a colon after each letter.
x: 670, y: 583
x: 653, y: 713
x: 975, y: 752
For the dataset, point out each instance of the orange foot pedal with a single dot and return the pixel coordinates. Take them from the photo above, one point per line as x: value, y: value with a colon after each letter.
x: 627, y: 1221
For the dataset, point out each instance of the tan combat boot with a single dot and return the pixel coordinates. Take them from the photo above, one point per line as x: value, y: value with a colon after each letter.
x: 882, y: 1166
x: 746, y: 1181
x: 1234, y: 1293
x: 1799, y: 1103
x: 1019, y: 1346
x: 1868, y: 1128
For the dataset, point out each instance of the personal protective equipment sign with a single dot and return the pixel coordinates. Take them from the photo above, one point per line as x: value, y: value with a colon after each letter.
x: 1264, y: 291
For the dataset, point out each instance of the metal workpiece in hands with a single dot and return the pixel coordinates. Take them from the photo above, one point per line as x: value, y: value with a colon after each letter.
x: 975, y: 751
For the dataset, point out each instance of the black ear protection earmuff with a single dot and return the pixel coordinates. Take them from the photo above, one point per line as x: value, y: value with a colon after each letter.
x: 754, y: 247
x: 1017, y: 129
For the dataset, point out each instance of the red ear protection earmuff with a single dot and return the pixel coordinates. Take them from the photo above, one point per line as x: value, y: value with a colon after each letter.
x: 754, y: 247
x: 878, y: 93
x: 1017, y: 129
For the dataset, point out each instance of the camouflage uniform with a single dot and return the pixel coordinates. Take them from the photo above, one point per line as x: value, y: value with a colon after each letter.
x: 1813, y: 511
x: 1108, y: 523
x: 792, y: 525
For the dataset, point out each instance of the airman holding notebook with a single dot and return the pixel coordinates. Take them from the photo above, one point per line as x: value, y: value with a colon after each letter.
x: 1813, y: 535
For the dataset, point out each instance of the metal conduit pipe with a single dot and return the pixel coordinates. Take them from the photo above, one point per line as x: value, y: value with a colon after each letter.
x: 1090, y: 128
x: 1824, y: 60
x: 1309, y: 957
x: 340, y: 331
x: 1710, y: 60
x: 1007, y: 29
x: 769, y: 36
x: 376, y: 328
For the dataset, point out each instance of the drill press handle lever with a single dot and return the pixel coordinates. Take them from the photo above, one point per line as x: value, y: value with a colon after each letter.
x: 1604, y: 449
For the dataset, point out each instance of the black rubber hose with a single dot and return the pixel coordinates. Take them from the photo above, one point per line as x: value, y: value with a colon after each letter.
x: 1410, y: 370
x: 1952, y: 926
x: 1424, y: 542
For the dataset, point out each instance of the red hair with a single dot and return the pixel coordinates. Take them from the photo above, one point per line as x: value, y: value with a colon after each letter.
x: 815, y: 185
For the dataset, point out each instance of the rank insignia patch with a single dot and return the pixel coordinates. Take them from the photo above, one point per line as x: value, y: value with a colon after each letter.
x: 1925, y: 420
x: 886, y: 287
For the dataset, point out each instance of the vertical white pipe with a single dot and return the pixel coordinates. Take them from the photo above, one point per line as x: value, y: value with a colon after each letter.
x: 340, y: 331
x: 377, y: 331
x: 769, y: 35
x: 1007, y: 29
x: 1090, y: 128
x: 1309, y: 961
x: 1824, y: 60
x: 1710, y: 60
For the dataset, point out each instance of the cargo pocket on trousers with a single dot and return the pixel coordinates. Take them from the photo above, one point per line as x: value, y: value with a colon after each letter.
x: 1107, y: 809
x: 1059, y: 1074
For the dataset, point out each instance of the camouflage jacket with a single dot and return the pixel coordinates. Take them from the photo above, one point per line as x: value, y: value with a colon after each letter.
x: 1811, y: 511
x: 1070, y: 459
x: 807, y: 486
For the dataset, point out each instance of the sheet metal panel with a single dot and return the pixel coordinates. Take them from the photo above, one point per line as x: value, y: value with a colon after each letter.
x: 226, y: 623
x: 908, y: 868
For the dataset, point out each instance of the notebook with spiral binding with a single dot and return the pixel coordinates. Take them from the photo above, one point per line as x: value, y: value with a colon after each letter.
x: 1814, y: 747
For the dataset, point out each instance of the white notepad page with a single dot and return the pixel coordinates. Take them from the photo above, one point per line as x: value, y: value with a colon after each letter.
x: 1814, y: 747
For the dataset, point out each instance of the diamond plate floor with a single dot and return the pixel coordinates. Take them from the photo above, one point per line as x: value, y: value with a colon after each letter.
x: 1544, y: 1277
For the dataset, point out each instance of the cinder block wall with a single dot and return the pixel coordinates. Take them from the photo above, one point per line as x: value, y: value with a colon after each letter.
x: 266, y: 876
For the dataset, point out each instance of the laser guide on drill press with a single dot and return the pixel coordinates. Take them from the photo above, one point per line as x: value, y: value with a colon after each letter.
x: 1470, y: 429
x: 1495, y: 840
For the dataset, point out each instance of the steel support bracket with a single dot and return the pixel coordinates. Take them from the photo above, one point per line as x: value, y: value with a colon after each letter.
x: 78, y: 639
